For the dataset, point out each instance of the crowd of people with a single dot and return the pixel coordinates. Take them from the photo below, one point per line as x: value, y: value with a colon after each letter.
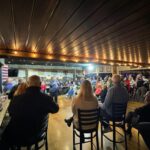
x: 30, y: 102
x: 136, y: 87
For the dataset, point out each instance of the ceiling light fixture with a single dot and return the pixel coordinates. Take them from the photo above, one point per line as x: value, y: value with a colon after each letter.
x: 15, y: 52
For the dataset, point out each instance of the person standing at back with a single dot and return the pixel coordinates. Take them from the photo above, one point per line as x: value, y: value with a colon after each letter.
x: 116, y: 94
x: 53, y: 89
x: 27, y: 112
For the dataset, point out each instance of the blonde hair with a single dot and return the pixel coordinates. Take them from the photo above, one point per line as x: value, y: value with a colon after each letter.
x: 86, y: 90
x: 21, y: 89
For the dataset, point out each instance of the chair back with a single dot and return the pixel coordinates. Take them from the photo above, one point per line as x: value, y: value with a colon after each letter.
x: 88, y: 120
x: 40, y: 135
x: 119, y: 111
x: 42, y: 128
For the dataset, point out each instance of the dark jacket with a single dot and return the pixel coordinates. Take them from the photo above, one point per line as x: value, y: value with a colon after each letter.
x: 103, y: 95
x: 27, y: 111
x: 144, y: 113
x: 144, y: 130
x: 54, y: 87
x: 12, y: 91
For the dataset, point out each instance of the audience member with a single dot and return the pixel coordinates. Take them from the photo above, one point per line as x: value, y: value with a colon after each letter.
x: 7, y: 86
x: 98, y: 87
x: 14, y: 88
x: 127, y: 83
x: 109, y: 83
x: 139, y: 81
x: 140, y: 114
x: 103, y: 93
x: 140, y: 92
x: 43, y: 87
x: 27, y: 112
x: 84, y: 100
x: 21, y: 89
x: 116, y: 94
x: 54, y: 89
x: 132, y: 85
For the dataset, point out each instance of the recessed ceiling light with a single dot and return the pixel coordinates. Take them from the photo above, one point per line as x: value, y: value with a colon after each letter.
x: 15, y: 52
x: 76, y: 60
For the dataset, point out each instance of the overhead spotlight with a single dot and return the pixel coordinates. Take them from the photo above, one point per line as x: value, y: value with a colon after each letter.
x: 76, y: 60
x: 15, y: 52
x: 111, y: 64
x: 90, y: 67
x: 140, y: 66
x: 34, y: 55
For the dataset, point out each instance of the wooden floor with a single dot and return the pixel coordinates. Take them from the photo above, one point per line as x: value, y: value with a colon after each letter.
x: 60, y: 135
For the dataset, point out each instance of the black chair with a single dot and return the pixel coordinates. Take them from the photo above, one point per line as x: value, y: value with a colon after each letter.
x: 88, y: 121
x: 38, y: 140
x: 118, y: 121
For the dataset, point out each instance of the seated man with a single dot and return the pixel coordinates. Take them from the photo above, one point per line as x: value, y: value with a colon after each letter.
x: 27, y: 111
x: 140, y: 114
x: 116, y: 94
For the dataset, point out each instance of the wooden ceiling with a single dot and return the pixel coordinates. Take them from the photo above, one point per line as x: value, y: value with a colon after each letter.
x: 101, y: 31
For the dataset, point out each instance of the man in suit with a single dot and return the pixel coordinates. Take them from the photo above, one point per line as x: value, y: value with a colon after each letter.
x: 116, y: 94
x: 27, y: 112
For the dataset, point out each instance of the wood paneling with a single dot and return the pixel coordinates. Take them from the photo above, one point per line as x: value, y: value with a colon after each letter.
x: 76, y: 30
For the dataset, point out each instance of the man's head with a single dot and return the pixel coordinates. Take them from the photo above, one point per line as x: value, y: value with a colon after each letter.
x: 116, y: 79
x: 34, y: 81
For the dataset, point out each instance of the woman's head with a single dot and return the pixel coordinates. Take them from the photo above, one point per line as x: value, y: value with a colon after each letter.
x: 21, y: 89
x: 86, y: 89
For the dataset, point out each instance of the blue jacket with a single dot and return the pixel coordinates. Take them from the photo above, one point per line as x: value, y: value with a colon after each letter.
x: 53, y: 87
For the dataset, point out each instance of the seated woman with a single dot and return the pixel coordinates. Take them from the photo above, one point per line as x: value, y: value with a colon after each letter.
x: 85, y: 100
x: 21, y: 89
x: 140, y: 114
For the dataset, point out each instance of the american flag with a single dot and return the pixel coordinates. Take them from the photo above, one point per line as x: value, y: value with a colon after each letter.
x: 4, y: 73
